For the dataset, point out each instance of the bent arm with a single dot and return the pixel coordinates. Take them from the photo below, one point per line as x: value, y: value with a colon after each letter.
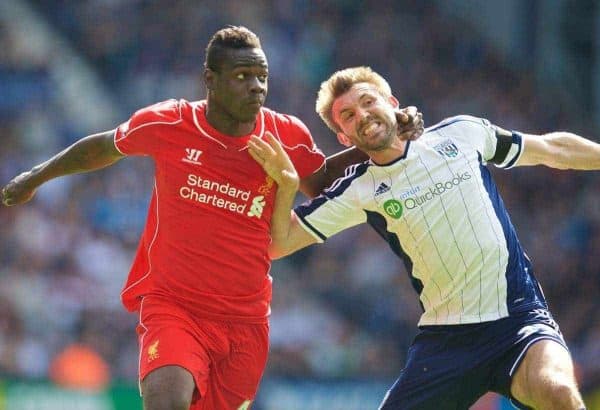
x: 287, y: 236
x: 90, y: 153
x: 560, y: 150
x: 334, y: 167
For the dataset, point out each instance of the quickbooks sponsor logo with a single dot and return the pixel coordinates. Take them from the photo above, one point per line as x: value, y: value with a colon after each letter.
x: 395, y: 208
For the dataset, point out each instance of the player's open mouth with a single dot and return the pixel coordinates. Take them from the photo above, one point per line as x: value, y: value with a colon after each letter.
x: 370, y: 129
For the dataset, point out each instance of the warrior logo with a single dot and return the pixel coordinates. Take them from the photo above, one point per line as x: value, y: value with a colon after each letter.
x: 192, y: 155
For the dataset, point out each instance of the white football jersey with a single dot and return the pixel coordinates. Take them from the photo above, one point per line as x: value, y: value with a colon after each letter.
x: 438, y: 208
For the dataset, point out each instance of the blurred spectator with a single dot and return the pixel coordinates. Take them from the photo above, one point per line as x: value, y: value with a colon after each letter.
x: 80, y: 367
x: 342, y: 310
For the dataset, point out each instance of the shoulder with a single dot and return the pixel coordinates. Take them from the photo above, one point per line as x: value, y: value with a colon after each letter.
x: 461, y: 123
x: 351, y: 178
x: 164, y: 112
x: 285, y: 122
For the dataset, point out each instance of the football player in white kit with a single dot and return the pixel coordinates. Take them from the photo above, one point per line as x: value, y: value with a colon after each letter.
x: 485, y: 324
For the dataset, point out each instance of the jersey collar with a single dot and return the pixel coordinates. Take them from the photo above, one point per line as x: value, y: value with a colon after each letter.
x: 400, y: 158
x: 224, y: 140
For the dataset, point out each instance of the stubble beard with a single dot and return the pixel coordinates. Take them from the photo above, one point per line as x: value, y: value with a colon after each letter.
x: 382, y: 143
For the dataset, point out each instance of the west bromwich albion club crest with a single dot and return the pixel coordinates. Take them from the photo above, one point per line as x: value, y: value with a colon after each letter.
x: 447, y: 148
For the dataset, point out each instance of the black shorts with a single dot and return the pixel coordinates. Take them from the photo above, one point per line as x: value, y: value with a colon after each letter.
x: 451, y: 367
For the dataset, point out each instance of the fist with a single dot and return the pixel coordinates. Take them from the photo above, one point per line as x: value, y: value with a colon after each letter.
x: 18, y: 191
x: 410, y: 123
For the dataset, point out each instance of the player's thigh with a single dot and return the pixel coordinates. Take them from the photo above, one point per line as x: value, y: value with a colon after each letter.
x: 441, y: 372
x: 166, y: 339
x: 441, y: 393
x: 168, y: 387
x: 547, y: 365
x: 235, y: 380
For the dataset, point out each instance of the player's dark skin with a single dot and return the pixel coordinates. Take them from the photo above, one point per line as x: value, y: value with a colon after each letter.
x: 237, y: 89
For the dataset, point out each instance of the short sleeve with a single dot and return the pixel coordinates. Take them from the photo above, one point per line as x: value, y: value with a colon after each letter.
x: 300, y: 146
x: 335, y: 210
x: 139, y: 136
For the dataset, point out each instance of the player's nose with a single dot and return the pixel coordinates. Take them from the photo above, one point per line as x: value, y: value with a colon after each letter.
x: 362, y: 114
x: 257, y: 86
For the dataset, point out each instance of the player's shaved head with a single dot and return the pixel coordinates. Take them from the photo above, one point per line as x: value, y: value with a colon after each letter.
x: 230, y: 37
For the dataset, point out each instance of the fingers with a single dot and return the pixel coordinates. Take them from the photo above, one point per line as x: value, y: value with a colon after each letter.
x: 274, y: 143
x: 263, y: 146
x: 411, y: 110
x: 7, y: 198
x: 8, y: 195
x: 4, y: 196
x: 410, y: 123
x: 407, y: 115
x: 402, y: 117
x: 253, y: 151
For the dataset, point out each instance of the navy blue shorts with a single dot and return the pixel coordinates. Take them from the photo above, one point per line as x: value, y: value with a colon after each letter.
x: 451, y: 367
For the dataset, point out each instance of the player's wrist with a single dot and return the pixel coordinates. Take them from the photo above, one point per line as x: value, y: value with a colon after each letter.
x: 35, y: 177
x: 289, y: 183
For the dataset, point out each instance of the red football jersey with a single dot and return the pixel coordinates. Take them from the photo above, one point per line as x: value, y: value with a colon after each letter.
x: 205, y: 242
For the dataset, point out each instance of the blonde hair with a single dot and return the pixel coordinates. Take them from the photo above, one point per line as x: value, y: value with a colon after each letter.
x: 339, y: 83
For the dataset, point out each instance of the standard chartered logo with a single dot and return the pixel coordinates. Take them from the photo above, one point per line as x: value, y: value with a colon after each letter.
x: 225, y: 195
x: 257, y: 207
x: 395, y: 208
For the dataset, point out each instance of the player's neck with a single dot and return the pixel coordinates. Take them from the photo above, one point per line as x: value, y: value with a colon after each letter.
x: 390, y: 154
x: 226, y: 124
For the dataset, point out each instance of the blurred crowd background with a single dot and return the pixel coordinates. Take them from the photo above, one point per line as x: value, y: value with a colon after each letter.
x: 341, y: 311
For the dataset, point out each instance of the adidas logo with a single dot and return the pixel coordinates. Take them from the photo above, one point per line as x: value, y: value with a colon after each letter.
x: 382, y: 189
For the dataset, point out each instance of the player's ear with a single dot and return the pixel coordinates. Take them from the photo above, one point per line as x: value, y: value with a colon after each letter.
x: 343, y: 139
x: 394, y: 101
x: 209, y: 78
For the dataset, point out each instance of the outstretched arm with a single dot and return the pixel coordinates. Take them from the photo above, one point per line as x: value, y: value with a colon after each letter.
x: 88, y: 154
x: 561, y: 150
x: 410, y: 127
x: 287, y: 236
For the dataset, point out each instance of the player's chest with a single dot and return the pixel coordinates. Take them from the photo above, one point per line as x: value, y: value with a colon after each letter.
x: 420, y: 185
x: 220, y: 182
x: 193, y: 159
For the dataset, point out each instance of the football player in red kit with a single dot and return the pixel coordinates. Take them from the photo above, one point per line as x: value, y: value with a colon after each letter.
x: 200, y: 279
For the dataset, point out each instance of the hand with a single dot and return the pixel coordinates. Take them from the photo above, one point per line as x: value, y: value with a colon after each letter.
x: 410, y: 123
x: 271, y: 156
x: 19, y: 190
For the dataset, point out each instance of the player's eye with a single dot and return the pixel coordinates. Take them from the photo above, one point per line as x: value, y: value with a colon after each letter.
x: 347, y: 116
x: 241, y: 76
x: 262, y: 78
